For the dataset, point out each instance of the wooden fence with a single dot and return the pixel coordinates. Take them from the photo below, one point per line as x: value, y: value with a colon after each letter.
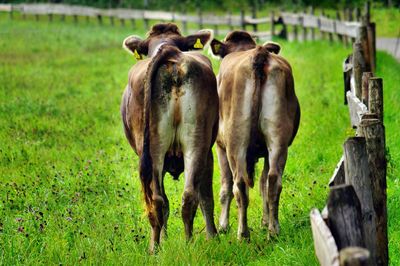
x: 306, y: 21
x: 352, y: 229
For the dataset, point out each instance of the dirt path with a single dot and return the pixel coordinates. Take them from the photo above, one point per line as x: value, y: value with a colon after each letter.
x: 390, y: 45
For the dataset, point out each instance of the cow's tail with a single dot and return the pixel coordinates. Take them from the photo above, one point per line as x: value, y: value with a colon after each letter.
x: 146, y: 162
x: 259, y: 63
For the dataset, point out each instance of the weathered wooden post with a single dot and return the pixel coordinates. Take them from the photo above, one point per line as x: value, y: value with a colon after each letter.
x: 254, y: 14
x: 272, y: 23
x: 345, y: 216
x: 295, y: 30
x: 374, y: 133
x: 184, y: 21
x: 200, y: 17
x: 354, y: 256
x: 338, y: 18
x: 50, y: 16
x: 242, y: 20
x: 330, y: 34
x: 75, y: 18
x: 230, y: 20
x: 362, y: 37
x: 358, y: 175
x: 359, y: 67
x: 99, y: 19
x: 358, y: 14
x: 319, y: 26
x: 375, y: 97
x: 364, y: 87
x: 371, y: 36
x: 122, y: 22
x: 62, y: 18
x: 215, y: 27
x: 312, y: 29
x: 303, y: 27
x: 111, y: 20
x: 36, y: 17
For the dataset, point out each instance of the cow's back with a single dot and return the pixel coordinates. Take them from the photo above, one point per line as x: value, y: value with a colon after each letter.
x: 184, y: 106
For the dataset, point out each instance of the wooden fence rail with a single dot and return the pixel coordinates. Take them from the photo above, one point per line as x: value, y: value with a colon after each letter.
x: 356, y: 212
x: 303, y: 20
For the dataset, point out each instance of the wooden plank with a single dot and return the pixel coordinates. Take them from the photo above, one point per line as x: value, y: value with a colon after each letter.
x: 356, y: 108
x: 338, y: 175
x: 310, y: 21
x: 327, y: 25
x: 324, y: 244
x: 290, y: 18
x: 209, y: 19
x: 357, y: 173
x: 345, y: 217
x: 263, y: 20
x: 6, y: 7
x: 122, y: 13
x: 158, y: 15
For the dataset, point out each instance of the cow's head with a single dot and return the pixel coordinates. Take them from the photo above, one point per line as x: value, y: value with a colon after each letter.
x: 238, y: 41
x: 165, y: 33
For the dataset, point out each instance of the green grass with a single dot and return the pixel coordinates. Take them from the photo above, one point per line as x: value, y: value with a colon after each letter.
x: 69, y: 185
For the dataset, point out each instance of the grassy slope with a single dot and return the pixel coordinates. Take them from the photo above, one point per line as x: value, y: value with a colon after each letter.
x: 69, y: 189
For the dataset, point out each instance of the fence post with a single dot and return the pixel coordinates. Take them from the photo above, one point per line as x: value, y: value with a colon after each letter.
x: 371, y: 36
x: 75, y: 19
x: 364, y: 87
x: 184, y: 21
x: 340, y: 37
x: 374, y: 133
x: 295, y: 31
x: 272, y: 23
x: 358, y: 14
x: 312, y: 29
x: 358, y: 67
x: 200, y: 15
x: 319, y: 26
x: 304, y: 28
x: 344, y: 216
x: 215, y: 27
x: 357, y: 173
x: 242, y: 20
x: 230, y: 20
x: 99, y: 19
x: 375, y: 97
x: 254, y: 14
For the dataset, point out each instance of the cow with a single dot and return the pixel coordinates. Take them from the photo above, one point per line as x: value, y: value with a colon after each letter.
x: 258, y: 118
x: 170, y: 116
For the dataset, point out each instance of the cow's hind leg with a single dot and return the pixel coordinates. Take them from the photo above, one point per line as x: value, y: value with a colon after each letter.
x: 165, y: 210
x: 155, y: 214
x: 264, y: 193
x: 241, y: 192
x: 190, y: 198
x: 277, y: 161
x: 206, y: 197
x: 226, y: 194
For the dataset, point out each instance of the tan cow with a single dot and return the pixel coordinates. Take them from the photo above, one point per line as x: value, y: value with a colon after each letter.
x: 170, y: 116
x: 258, y: 117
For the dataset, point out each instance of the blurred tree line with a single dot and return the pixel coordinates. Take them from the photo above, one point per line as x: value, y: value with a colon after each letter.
x: 215, y: 5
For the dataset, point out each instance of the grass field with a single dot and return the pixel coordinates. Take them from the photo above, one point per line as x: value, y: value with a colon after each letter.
x: 69, y: 185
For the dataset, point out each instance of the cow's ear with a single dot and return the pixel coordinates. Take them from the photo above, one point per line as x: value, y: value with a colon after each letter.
x: 218, y: 48
x: 136, y: 46
x: 197, y: 41
x: 272, y: 47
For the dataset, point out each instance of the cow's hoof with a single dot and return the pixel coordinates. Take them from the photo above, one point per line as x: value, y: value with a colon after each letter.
x: 264, y: 223
x: 244, y: 236
x: 274, y: 230
x: 224, y: 229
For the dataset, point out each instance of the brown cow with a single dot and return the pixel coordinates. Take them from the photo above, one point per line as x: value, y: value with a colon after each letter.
x: 258, y: 117
x: 170, y: 115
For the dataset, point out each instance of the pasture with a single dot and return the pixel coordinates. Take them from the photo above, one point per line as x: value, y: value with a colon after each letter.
x: 69, y: 184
